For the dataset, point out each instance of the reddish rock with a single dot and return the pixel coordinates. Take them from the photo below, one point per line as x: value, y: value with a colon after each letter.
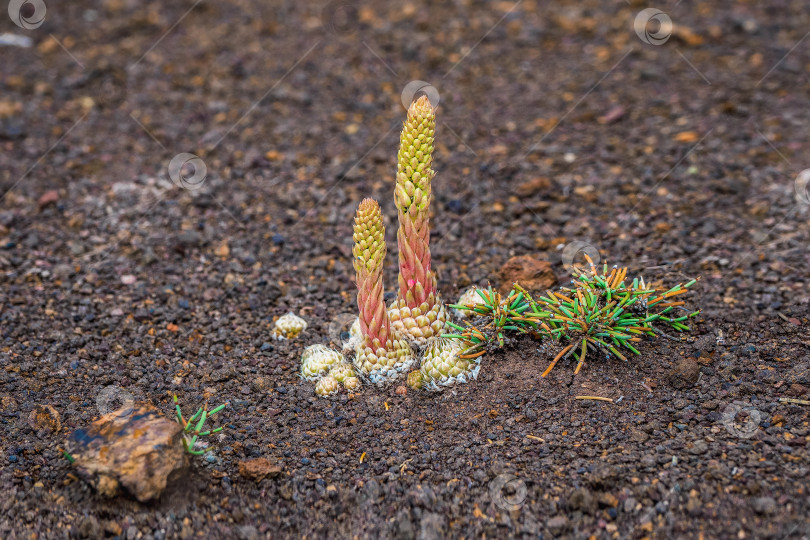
x: 258, y: 469
x: 48, y: 198
x: 797, y: 390
x: 534, y: 275
x: 612, y: 115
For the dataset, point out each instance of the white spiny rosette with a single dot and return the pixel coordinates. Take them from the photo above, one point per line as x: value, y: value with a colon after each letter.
x: 318, y: 359
x: 419, y: 324
x: 327, y: 386
x: 341, y: 372
x: 386, y: 363
x: 441, y: 365
x: 351, y: 383
x: 355, y: 337
x: 289, y: 326
x: 470, y: 296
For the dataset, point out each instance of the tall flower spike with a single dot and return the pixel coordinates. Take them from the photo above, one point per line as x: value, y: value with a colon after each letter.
x: 418, y: 311
x: 381, y: 353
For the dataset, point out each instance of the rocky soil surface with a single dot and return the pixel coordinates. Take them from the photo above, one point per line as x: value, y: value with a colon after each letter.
x: 558, y: 123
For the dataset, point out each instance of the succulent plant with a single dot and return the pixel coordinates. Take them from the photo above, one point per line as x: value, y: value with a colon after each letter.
x: 318, y: 359
x: 289, y: 326
x: 351, y: 383
x: 341, y: 372
x: 327, y: 386
x: 417, y: 310
x: 415, y: 380
x: 382, y: 353
x: 600, y: 310
x: 448, y: 361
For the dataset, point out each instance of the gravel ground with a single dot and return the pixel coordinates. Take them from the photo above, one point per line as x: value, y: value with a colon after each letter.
x: 557, y: 123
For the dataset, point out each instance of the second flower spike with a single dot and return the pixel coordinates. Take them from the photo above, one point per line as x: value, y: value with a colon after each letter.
x: 381, y: 354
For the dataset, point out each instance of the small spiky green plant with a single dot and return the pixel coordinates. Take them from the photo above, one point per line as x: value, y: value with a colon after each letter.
x: 382, y: 352
x: 599, y: 310
x: 191, y: 431
x: 417, y: 310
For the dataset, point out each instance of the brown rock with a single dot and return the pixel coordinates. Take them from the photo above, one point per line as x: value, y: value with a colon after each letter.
x: 533, y: 186
x: 582, y: 499
x: 797, y: 390
x: 685, y: 374
x: 134, y: 448
x: 535, y: 275
x: 608, y: 500
x: 258, y: 469
x: 45, y: 417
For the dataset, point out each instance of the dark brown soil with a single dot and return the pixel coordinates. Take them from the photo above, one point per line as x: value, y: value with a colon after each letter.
x: 557, y: 124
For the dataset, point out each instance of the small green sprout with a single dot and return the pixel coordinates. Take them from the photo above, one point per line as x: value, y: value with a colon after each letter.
x: 67, y: 456
x: 192, y: 431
